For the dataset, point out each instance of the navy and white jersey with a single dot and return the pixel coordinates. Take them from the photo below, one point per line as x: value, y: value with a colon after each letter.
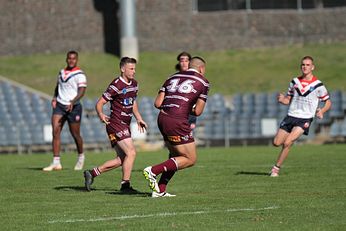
x: 121, y: 96
x: 305, y: 97
x: 68, y: 83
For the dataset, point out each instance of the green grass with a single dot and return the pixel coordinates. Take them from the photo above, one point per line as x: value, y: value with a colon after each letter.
x: 226, y: 190
x: 255, y: 70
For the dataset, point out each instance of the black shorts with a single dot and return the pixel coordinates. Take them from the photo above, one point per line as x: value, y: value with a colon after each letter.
x: 75, y: 116
x: 175, y: 130
x: 289, y: 122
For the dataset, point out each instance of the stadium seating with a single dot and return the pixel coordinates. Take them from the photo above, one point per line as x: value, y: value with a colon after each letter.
x: 23, y: 115
x: 336, y: 111
x: 335, y: 130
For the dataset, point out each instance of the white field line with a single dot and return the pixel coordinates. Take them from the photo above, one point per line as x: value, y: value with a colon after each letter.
x: 168, y: 214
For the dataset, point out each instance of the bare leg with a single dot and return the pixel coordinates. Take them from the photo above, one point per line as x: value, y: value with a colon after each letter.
x: 280, y: 137
x: 75, y: 132
x: 110, y: 164
x: 127, y: 147
x: 286, y: 145
x: 187, y: 155
x: 57, y: 125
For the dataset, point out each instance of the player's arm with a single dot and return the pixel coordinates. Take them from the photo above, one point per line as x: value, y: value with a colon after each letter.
x: 99, y: 109
x: 55, y: 95
x: 320, y: 111
x: 80, y: 94
x: 284, y: 99
x: 197, y: 110
x: 159, y: 99
x: 142, y: 125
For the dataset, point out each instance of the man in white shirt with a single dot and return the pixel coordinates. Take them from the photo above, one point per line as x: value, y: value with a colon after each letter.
x: 70, y: 88
x: 303, y: 96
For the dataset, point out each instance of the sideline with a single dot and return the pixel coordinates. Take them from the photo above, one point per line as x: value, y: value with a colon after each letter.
x: 168, y: 214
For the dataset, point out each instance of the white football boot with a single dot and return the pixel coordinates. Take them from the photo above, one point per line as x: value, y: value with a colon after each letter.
x: 79, y: 165
x: 151, y: 177
x: 52, y: 167
x: 163, y: 194
x: 274, y: 172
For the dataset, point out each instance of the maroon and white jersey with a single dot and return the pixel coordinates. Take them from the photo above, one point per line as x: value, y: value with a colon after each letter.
x: 182, y: 91
x: 121, y: 96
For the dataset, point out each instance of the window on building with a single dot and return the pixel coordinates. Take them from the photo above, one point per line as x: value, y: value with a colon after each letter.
x: 217, y: 5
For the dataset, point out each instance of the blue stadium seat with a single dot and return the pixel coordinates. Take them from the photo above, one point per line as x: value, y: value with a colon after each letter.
x: 248, y: 107
x: 336, y: 111
x: 88, y: 104
x: 343, y: 128
x: 344, y: 101
x: 335, y: 129
x: 326, y: 119
x: 237, y: 101
x: 3, y: 137
x: 37, y: 134
x: 25, y: 138
x: 88, y: 134
x: 244, y: 126
x: 217, y: 103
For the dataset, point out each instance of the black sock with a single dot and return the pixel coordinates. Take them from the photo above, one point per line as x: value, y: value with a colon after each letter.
x: 125, y: 184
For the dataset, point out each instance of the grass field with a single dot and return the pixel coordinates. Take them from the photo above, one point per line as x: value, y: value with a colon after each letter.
x: 255, y: 70
x: 227, y: 189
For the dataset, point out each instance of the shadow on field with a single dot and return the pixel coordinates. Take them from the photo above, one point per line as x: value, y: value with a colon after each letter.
x: 252, y: 173
x: 78, y: 188
x: 34, y: 168
x: 106, y: 190
x: 70, y: 188
x: 137, y: 193
x: 40, y: 169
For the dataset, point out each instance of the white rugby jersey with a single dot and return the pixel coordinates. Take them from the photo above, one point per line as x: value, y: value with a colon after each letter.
x: 305, y: 97
x: 69, y: 82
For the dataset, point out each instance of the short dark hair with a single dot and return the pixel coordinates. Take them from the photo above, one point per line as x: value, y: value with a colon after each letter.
x: 184, y: 53
x: 200, y: 58
x: 126, y: 60
x: 72, y: 52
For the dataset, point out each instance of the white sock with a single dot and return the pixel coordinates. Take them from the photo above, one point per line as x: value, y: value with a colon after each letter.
x: 56, y: 160
x: 81, y: 157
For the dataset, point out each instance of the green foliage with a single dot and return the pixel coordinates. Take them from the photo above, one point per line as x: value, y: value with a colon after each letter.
x: 227, y: 189
x: 255, y: 70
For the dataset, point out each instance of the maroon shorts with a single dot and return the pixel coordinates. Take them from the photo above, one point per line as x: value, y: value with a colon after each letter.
x: 175, y: 130
x: 118, y: 131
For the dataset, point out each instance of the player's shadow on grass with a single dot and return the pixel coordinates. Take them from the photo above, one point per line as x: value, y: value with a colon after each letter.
x: 252, y: 173
x: 137, y: 193
x: 78, y: 188
x: 107, y: 191
x: 34, y: 168
x: 41, y: 169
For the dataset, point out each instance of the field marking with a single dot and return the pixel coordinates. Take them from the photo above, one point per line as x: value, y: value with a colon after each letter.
x: 167, y: 214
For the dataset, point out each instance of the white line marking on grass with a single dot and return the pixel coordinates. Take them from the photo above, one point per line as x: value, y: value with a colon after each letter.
x: 168, y: 214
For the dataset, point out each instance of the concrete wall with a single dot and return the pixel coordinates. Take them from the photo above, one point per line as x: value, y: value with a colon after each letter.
x: 41, y: 26
x: 44, y: 26
x: 172, y: 25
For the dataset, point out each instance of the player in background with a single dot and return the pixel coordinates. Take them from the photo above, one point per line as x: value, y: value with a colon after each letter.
x: 121, y: 93
x: 303, y: 96
x: 70, y: 88
x: 182, y: 94
x: 183, y: 64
